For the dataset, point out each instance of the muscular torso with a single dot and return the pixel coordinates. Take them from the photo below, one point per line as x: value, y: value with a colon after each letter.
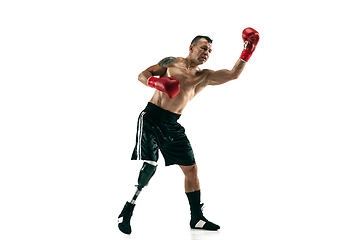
x: 192, y: 81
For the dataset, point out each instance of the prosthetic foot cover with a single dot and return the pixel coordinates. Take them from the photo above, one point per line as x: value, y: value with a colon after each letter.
x: 198, y: 221
x: 124, y: 218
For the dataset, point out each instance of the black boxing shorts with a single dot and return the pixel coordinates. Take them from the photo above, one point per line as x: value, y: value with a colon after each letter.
x: 158, y: 129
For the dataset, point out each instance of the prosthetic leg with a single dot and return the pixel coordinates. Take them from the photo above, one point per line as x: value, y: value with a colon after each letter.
x: 147, y: 171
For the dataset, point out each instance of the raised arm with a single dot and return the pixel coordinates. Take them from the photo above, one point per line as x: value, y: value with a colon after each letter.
x: 251, y: 39
x: 224, y: 75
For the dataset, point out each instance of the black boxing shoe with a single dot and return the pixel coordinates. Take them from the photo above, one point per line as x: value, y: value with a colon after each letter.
x: 124, y: 218
x: 198, y: 221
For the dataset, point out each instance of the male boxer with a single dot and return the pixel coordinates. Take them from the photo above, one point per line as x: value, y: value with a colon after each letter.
x: 179, y: 81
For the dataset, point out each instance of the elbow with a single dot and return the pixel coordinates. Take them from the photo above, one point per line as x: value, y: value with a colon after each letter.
x: 234, y: 76
x: 143, y: 77
x: 140, y: 77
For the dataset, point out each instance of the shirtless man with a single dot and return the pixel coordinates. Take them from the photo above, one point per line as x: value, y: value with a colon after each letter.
x: 180, y: 80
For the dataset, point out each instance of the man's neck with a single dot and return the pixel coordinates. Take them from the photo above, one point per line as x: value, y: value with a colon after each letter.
x: 190, y: 63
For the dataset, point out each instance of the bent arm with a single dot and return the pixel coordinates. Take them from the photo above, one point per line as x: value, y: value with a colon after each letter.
x: 155, y: 70
x: 223, y: 76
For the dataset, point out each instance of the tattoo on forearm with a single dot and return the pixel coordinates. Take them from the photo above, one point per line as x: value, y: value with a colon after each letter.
x: 166, y: 61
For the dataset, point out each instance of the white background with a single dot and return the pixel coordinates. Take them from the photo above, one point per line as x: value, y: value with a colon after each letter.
x: 277, y: 149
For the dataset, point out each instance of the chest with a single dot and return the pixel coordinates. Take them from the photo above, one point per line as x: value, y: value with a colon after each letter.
x: 188, y: 78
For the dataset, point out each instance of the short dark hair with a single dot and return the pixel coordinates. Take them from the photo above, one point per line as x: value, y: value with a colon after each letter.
x: 196, y: 39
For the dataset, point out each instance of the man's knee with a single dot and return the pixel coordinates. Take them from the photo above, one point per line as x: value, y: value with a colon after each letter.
x: 190, y: 171
x: 193, y: 170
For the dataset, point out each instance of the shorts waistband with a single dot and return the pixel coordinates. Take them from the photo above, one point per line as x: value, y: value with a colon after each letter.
x: 161, y: 114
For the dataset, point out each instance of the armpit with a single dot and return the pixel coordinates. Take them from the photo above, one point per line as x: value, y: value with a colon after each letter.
x: 166, y: 61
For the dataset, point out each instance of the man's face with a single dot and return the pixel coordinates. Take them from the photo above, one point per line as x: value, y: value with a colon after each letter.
x: 201, y: 52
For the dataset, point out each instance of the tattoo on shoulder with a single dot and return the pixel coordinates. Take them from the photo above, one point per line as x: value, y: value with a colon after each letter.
x: 166, y: 61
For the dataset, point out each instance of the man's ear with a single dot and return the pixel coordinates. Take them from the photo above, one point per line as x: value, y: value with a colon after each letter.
x: 191, y: 48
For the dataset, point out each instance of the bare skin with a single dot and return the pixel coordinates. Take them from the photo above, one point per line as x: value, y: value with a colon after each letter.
x: 192, y: 80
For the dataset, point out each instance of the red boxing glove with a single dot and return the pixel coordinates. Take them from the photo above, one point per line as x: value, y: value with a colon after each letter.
x: 169, y: 85
x: 251, y: 38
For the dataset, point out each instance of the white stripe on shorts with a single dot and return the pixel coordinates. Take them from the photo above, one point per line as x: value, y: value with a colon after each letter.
x: 141, y: 122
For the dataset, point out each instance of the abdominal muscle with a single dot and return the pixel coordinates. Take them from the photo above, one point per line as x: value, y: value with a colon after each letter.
x: 175, y: 105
